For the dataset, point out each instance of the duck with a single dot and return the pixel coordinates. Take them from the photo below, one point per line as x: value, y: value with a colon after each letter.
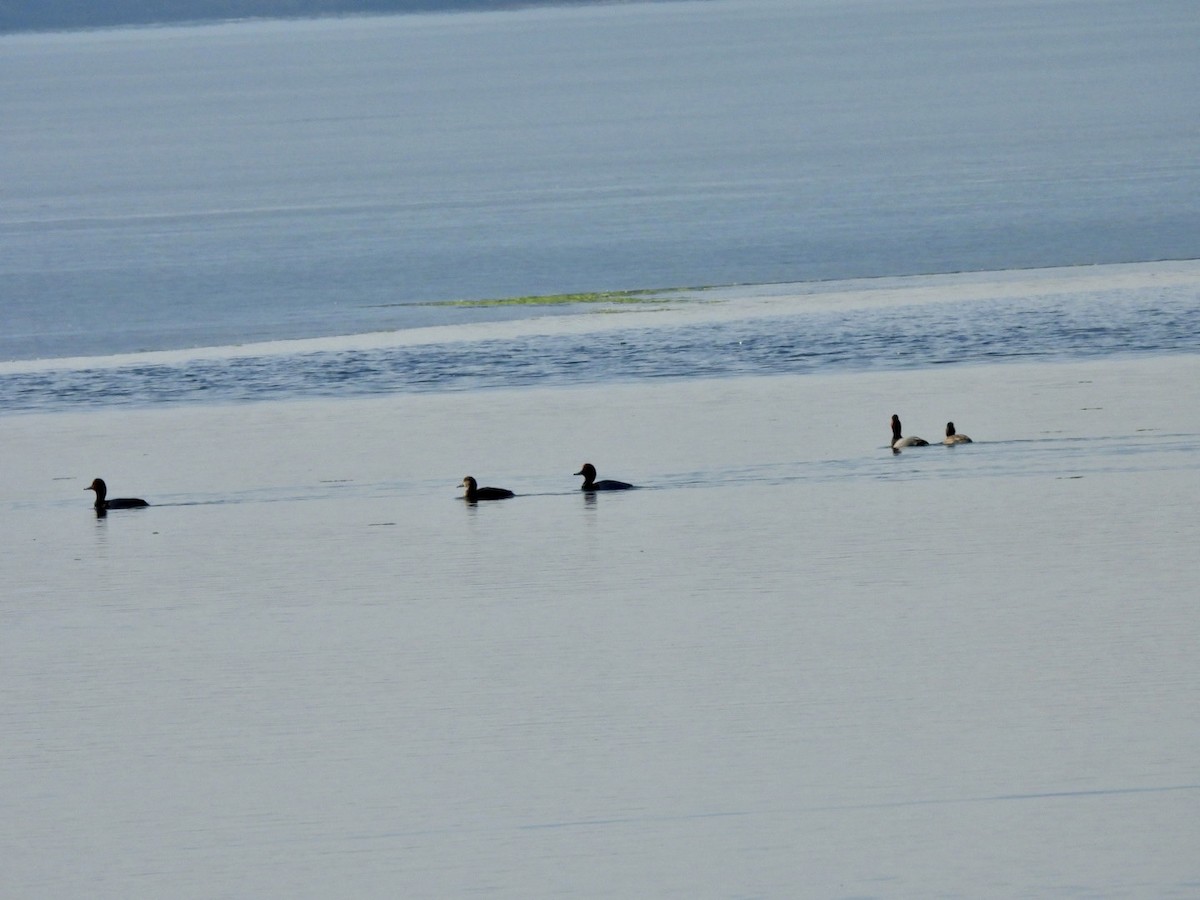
x: 953, y: 437
x: 475, y: 492
x: 103, y: 503
x: 588, y: 471
x: 898, y: 441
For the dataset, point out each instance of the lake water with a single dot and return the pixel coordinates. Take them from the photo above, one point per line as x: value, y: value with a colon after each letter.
x: 862, y: 325
x: 791, y: 663
x: 185, y: 187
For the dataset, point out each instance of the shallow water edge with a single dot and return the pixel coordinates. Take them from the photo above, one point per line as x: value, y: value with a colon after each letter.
x: 861, y: 325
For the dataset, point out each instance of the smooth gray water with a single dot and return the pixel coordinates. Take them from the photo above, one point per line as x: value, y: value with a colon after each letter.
x: 214, y: 185
x: 790, y: 664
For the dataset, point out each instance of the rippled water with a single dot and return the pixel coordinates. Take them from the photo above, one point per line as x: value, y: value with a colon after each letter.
x: 786, y: 336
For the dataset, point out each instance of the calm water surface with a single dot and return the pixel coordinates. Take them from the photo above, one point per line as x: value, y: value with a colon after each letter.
x: 790, y: 664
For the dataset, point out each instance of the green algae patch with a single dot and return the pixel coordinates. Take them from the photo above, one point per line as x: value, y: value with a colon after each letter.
x: 606, y: 298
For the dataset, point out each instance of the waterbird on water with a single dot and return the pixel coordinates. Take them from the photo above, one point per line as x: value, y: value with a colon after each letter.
x: 898, y: 441
x: 475, y: 492
x: 103, y: 504
x: 953, y: 437
x: 588, y: 471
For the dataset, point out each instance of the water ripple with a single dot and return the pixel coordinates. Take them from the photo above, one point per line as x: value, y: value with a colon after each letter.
x: 904, y: 337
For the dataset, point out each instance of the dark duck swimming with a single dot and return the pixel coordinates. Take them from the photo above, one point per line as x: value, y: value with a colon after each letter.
x: 103, y: 504
x: 588, y: 471
x: 898, y: 441
x: 474, y: 492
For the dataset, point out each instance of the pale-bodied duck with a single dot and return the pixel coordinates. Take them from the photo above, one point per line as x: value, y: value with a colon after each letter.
x: 953, y: 437
x: 898, y: 441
